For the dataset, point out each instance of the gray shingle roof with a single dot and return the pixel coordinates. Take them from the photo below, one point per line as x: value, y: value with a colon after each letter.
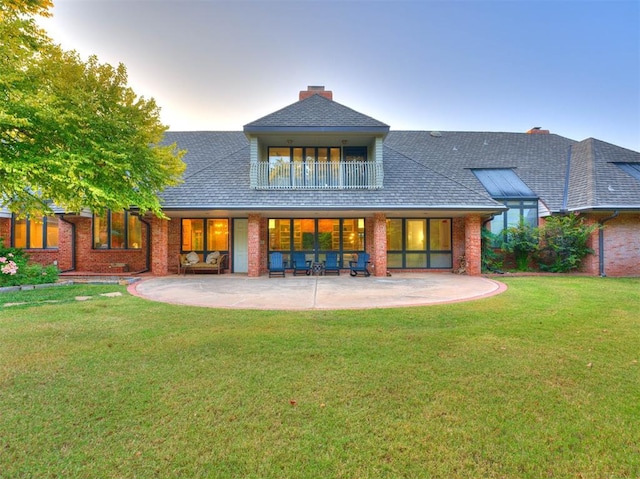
x: 316, y: 113
x: 421, y: 171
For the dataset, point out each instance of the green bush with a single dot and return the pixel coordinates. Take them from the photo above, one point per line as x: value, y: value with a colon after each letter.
x: 15, y: 269
x: 564, y: 243
x: 522, y: 241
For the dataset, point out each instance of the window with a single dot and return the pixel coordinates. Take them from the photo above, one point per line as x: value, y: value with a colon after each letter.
x: 316, y: 237
x: 35, y: 233
x: 117, y: 230
x: 504, y: 185
x: 205, y: 235
x: 419, y: 243
x: 525, y: 209
x: 315, y: 167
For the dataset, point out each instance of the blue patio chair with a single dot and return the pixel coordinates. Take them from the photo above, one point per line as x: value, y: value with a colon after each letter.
x: 360, y: 266
x: 300, y: 264
x: 331, y: 264
x: 276, y: 265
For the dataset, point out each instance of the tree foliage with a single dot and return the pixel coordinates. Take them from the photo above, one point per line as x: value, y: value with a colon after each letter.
x: 72, y: 132
x: 522, y: 241
x: 564, y: 243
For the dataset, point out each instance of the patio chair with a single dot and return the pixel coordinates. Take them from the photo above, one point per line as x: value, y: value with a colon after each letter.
x: 360, y: 266
x: 331, y: 264
x: 300, y: 264
x: 276, y: 265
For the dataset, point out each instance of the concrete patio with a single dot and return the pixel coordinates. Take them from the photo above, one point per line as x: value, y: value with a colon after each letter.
x: 315, y: 292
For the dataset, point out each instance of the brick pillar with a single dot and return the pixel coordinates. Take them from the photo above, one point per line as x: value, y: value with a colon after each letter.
x: 472, y: 245
x: 380, y: 244
x: 159, y: 246
x: 254, y: 249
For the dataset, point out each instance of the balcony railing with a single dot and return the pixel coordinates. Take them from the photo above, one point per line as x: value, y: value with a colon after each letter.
x: 317, y: 176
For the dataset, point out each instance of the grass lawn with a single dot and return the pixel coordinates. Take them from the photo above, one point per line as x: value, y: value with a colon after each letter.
x: 540, y: 381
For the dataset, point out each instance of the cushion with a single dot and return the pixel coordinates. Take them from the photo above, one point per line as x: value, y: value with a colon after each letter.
x: 193, y: 258
x: 212, y: 258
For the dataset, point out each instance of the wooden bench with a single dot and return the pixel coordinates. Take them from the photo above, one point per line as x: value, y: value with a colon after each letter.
x: 215, y: 265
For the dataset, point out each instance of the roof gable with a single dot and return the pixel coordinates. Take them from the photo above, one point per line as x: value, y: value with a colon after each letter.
x: 316, y: 113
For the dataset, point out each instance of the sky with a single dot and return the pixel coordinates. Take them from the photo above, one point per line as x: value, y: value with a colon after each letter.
x: 572, y: 67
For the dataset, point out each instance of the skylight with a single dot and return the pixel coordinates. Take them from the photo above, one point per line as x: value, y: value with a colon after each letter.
x: 632, y: 169
x: 503, y: 183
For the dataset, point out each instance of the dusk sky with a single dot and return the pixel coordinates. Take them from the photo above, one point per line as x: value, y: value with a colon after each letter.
x: 572, y: 67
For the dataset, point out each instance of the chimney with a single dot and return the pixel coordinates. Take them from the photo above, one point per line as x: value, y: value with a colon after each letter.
x: 537, y: 131
x: 316, y: 90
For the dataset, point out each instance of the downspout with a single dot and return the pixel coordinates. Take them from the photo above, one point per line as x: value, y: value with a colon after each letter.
x: 73, y: 244
x: 147, y: 259
x: 601, y: 241
x: 483, y: 241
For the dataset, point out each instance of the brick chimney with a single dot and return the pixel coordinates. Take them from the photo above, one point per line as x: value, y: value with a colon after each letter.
x: 537, y: 131
x: 316, y: 90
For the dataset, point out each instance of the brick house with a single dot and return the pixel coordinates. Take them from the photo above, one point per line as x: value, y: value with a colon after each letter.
x: 318, y: 177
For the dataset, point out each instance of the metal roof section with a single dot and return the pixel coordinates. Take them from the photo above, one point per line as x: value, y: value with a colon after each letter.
x: 503, y: 183
x: 632, y: 169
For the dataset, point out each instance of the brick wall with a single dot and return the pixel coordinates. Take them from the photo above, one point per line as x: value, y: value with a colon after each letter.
x: 5, y: 231
x: 621, y: 246
x: 102, y: 261
x: 379, y: 248
x: 472, y: 245
x: 257, y: 257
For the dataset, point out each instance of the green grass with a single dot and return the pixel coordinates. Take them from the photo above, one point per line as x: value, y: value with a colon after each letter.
x: 540, y: 381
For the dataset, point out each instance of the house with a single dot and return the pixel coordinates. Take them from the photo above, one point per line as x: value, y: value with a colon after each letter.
x: 317, y: 176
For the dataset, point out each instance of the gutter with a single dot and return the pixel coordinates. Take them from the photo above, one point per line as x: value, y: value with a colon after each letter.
x: 601, y: 241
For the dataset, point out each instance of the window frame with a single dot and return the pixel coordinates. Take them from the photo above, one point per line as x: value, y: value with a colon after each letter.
x: 100, y: 243
x: 44, y: 235
x: 406, y: 255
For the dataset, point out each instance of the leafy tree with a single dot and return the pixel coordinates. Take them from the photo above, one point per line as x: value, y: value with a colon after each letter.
x: 522, y: 241
x: 564, y: 243
x: 72, y: 132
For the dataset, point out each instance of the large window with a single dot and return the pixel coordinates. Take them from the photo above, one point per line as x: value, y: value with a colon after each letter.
x: 117, y: 230
x: 419, y: 243
x: 527, y: 210
x: 316, y: 237
x: 35, y: 233
x: 313, y: 166
x: 205, y: 235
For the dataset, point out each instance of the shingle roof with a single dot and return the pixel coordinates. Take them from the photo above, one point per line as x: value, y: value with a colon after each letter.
x: 421, y: 170
x: 595, y: 180
x: 313, y: 114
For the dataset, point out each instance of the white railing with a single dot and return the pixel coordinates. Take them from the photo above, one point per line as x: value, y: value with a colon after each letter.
x: 317, y: 175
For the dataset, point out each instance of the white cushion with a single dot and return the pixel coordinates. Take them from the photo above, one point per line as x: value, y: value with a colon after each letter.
x: 212, y: 258
x: 193, y: 258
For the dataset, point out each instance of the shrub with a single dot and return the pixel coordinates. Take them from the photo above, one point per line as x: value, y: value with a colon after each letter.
x: 15, y: 269
x: 564, y: 240
x: 522, y: 241
x: 491, y: 259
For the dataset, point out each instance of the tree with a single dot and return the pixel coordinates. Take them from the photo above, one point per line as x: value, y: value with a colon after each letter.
x: 72, y: 132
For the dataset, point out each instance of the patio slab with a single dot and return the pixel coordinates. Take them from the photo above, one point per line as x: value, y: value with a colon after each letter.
x: 315, y: 292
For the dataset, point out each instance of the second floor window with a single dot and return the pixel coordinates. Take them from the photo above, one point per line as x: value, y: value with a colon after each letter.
x: 35, y: 233
x: 117, y: 230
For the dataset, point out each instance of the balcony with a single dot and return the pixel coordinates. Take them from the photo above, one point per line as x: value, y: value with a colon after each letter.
x: 336, y: 175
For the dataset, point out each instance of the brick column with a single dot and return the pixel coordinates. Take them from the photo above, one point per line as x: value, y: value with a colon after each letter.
x: 380, y: 244
x: 159, y: 246
x: 472, y: 245
x: 254, y: 249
